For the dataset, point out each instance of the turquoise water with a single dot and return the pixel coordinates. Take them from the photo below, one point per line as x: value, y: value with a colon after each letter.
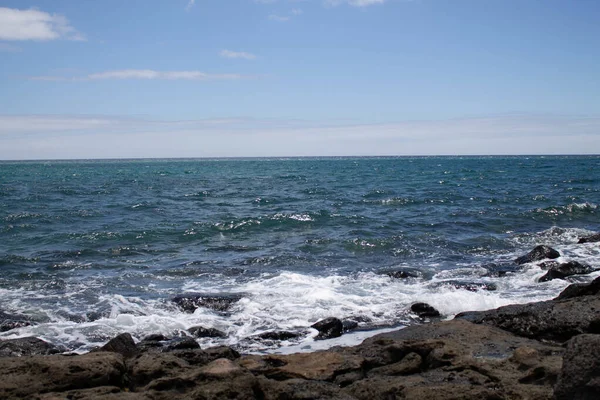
x: 299, y: 238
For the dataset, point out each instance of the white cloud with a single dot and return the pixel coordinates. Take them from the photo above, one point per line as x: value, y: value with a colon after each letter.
x: 278, y: 18
x: 48, y: 137
x: 190, y: 4
x: 237, y: 54
x: 144, y: 74
x: 33, y: 24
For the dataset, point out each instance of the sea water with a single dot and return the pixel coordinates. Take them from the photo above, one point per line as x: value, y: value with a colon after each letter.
x: 91, y: 249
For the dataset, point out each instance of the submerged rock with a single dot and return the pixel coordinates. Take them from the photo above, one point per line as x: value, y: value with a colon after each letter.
x: 328, y: 328
x: 201, y: 332
x: 564, y: 270
x: 537, y: 254
x: 590, y: 239
x: 424, y: 310
x: 27, y: 346
x: 189, y: 302
x: 405, y: 273
x: 12, y: 321
x: 470, y: 286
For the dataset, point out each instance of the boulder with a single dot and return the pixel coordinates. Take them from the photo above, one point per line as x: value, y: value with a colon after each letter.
x: 12, y: 321
x: 590, y: 239
x: 580, y: 374
x: 278, y: 335
x: 27, y: 346
x: 122, y: 344
x: 182, y: 343
x: 349, y: 325
x: 424, y: 310
x: 537, y: 254
x: 202, y: 332
x: 580, y: 289
x: 328, y: 328
x: 564, y: 270
x: 189, y: 302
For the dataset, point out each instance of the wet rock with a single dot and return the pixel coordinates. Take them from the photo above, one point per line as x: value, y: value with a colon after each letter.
x: 328, y: 328
x: 546, y: 265
x: 27, y: 346
x: 23, y: 377
x: 189, y: 302
x: 564, y: 270
x: 405, y: 273
x: 155, y: 337
x: 424, y: 310
x: 580, y: 374
x: 183, y: 343
x: 202, y: 332
x: 500, y: 270
x: 349, y: 325
x: 555, y: 320
x: 590, y: 239
x: 537, y: 254
x: 12, y: 321
x: 580, y: 289
x: 202, y: 357
x: 470, y: 286
x: 122, y: 344
x: 278, y: 335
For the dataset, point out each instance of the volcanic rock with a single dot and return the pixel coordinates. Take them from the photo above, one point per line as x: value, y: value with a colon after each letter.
x: 201, y: 332
x: 189, y: 302
x: 12, y: 321
x: 537, y: 254
x: 122, y: 344
x: 580, y: 289
x: 278, y: 335
x: 424, y: 310
x: 580, y: 374
x: 27, y: 346
x: 590, y: 239
x: 563, y: 270
x: 328, y: 328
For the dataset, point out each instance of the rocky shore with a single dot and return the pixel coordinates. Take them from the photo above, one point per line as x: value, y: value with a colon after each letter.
x: 542, y: 350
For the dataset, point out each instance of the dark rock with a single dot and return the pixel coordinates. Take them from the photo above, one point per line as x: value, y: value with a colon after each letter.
x: 500, y: 270
x: 546, y: 320
x: 537, y: 254
x: 546, y: 265
x: 189, y: 302
x: 202, y: 357
x: 12, y: 321
x: 27, y: 346
x: 278, y: 335
x: 566, y: 269
x: 183, y: 343
x: 201, y: 332
x: 349, y: 325
x: 590, y: 239
x: 155, y: 337
x: 470, y: 286
x: 328, y: 328
x: 580, y: 374
x: 122, y: 344
x: 580, y: 289
x: 424, y: 310
x: 405, y: 273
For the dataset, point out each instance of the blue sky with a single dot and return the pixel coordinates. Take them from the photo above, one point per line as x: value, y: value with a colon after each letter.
x: 203, y: 78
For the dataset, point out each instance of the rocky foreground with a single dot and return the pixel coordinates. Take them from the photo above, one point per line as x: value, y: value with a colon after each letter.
x: 543, y: 350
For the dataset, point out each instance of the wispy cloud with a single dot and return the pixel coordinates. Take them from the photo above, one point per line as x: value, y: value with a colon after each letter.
x: 237, y: 54
x: 190, y: 4
x: 33, y: 24
x: 279, y: 18
x: 142, y: 74
x: 354, y: 3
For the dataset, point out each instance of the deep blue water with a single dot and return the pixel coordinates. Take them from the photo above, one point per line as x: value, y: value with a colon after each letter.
x: 300, y: 238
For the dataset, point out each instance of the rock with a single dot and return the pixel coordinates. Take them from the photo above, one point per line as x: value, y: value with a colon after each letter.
x: 555, y: 320
x: 580, y: 374
x: 12, y: 321
x: 23, y: 377
x: 155, y: 337
x: 201, y: 332
x: 27, y: 346
x: 189, y: 302
x: 202, y: 357
x: 563, y: 270
x: 470, y: 286
x: 590, y: 239
x: 183, y: 343
x: 537, y: 254
x: 278, y: 335
x: 546, y: 265
x: 122, y: 344
x: 349, y: 325
x: 405, y: 273
x: 580, y: 289
x: 149, y: 366
x: 500, y: 270
x: 328, y: 328
x: 424, y: 310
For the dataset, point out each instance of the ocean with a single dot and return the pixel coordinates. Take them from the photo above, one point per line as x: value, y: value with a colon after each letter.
x: 91, y: 249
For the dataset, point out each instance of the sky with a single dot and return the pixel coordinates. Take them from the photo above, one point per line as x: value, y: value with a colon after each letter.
x: 245, y: 78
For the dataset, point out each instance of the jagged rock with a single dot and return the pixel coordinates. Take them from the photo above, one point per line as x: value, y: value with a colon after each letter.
x: 563, y: 270
x: 189, y: 302
x: 424, y: 310
x: 580, y: 374
x: 278, y: 335
x: 546, y: 265
x: 349, y: 325
x: 122, y: 344
x: 201, y: 332
x: 470, y: 286
x: 12, y: 321
x: 405, y: 273
x: 590, y: 239
x: 328, y: 328
x: 149, y: 366
x: 580, y: 289
x: 537, y: 254
x: 23, y: 377
x: 155, y: 337
x: 27, y: 346
x: 500, y: 270
x: 182, y: 343
x: 202, y: 357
